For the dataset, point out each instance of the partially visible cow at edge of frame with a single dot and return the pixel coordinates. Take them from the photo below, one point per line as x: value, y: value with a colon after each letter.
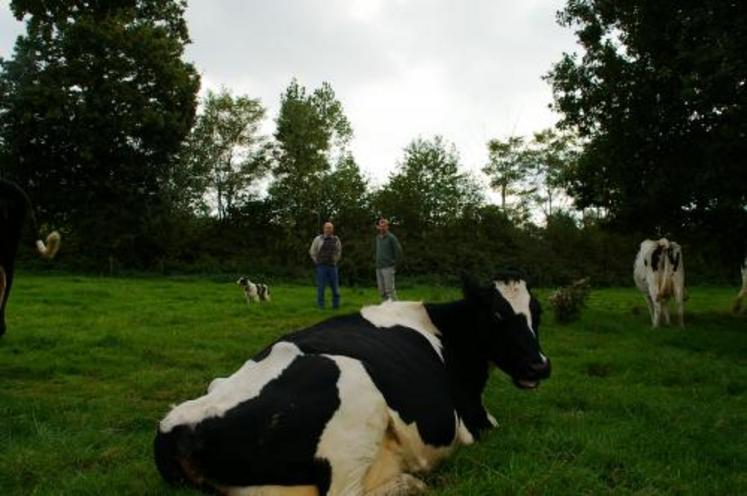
x: 659, y: 272
x: 356, y: 404
x: 14, y: 207
x: 743, y: 291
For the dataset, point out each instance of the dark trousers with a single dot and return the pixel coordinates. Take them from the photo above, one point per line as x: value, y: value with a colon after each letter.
x: 327, y: 274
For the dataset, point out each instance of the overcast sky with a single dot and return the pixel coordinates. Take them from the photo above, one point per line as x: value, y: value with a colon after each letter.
x: 468, y: 70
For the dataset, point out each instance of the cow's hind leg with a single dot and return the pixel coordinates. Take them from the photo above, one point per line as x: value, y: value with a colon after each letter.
x: 655, y: 312
x: 273, y: 491
x: 679, y: 298
x: 385, y: 476
x: 353, y: 436
x: 650, y: 305
x: 738, y: 301
x: 403, y: 485
x: 665, y: 312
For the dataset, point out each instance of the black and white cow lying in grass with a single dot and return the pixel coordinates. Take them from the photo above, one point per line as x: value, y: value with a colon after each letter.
x: 356, y: 404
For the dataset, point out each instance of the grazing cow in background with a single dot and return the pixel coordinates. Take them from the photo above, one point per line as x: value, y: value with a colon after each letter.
x: 14, y: 206
x: 356, y: 404
x: 254, y: 291
x: 659, y: 272
x: 743, y: 292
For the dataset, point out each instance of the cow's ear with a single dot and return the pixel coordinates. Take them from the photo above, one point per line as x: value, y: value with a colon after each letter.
x: 473, y: 290
x: 536, y: 311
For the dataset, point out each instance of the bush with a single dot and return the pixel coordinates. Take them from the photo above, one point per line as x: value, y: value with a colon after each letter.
x: 567, y: 302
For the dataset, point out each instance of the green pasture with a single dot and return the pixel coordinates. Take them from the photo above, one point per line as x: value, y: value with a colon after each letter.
x: 89, y: 366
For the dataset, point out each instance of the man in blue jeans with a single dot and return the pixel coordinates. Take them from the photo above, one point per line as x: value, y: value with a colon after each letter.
x: 325, y: 251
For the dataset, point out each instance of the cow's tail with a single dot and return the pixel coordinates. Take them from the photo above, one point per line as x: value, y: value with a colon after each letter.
x: 46, y: 249
x: 173, y: 453
x: 666, y: 283
x: 50, y: 248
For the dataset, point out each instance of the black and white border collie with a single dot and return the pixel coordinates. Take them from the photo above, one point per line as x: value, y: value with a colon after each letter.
x: 254, y: 291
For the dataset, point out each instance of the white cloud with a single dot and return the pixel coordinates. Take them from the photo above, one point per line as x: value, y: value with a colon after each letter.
x: 467, y: 70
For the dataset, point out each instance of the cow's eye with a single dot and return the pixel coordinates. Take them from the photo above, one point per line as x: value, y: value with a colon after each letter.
x: 498, y: 316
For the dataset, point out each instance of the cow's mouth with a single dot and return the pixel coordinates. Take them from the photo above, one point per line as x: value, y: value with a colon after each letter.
x: 526, y: 383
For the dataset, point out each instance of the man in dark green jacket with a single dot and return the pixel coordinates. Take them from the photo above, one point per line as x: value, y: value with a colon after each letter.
x: 388, y: 255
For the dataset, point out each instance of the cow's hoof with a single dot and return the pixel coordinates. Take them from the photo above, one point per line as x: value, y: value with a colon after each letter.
x: 413, y: 485
x: 404, y: 485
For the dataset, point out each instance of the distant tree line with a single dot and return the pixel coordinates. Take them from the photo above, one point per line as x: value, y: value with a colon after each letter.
x: 101, y: 123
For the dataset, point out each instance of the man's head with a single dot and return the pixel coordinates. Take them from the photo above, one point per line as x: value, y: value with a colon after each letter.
x: 328, y: 229
x: 382, y: 226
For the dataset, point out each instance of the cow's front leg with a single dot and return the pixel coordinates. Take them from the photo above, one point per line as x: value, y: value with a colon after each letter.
x: 473, y: 422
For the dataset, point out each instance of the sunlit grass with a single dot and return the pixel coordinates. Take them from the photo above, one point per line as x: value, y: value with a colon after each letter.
x: 90, y: 365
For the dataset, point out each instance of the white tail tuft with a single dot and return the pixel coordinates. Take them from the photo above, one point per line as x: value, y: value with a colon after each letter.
x: 666, y: 286
x: 50, y: 249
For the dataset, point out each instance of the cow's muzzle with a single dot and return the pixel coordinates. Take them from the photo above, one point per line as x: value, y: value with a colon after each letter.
x: 536, y: 372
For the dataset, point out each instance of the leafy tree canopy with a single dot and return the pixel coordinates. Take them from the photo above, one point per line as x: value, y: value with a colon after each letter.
x: 509, y: 164
x: 226, y: 149
x: 429, y: 188
x: 94, y: 105
x: 660, y: 93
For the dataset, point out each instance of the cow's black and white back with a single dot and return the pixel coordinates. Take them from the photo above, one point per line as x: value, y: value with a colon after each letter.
x: 357, y: 403
x: 659, y: 272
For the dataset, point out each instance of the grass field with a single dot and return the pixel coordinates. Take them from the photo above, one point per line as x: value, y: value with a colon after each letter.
x: 90, y: 365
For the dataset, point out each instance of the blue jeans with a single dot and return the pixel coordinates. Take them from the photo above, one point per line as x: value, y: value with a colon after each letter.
x: 327, y: 274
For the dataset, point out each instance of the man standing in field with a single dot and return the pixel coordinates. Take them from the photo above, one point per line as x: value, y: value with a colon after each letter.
x: 325, y: 251
x: 388, y: 255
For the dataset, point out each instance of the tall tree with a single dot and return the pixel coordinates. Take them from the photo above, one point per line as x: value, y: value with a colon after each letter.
x: 553, y: 155
x: 94, y: 105
x: 429, y: 188
x: 226, y: 148
x: 345, y: 190
x: 311, y: 129
x: 347, y: 204
x: 509, y: 169
x: 660, y: 93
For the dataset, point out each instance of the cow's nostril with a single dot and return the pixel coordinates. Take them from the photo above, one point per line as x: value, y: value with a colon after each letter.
x: 542, y: 367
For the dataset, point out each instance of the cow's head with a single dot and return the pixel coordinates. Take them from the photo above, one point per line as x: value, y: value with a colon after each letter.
x: 509, y: 319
